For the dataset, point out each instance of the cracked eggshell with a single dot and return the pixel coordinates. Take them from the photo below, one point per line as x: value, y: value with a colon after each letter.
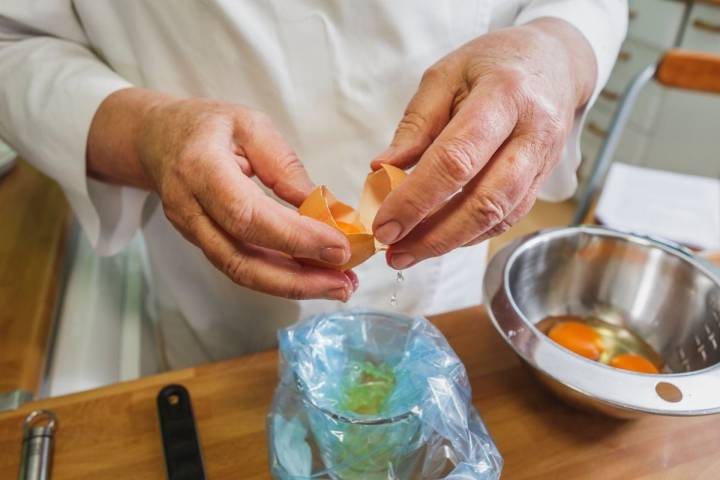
x: 377, y: 187
x: 322, y: 205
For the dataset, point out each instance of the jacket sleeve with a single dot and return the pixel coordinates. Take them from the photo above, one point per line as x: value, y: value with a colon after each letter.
x: 604, y: 25
x: 51, y: 84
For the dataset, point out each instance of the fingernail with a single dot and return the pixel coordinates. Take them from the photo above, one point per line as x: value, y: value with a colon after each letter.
x: 337, y: 294
x: 388, y: 232
x: 334, y: 255
x: 383, y: 157
x: 353, y: 279
x: 401, y: 260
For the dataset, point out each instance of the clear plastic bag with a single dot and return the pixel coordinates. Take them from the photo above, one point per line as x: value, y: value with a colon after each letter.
x: 372, y: 395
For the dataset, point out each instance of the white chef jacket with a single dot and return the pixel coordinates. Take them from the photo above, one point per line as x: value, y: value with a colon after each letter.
x: 334, y: 76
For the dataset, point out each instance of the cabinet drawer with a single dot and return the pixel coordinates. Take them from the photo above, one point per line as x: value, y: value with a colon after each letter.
x: 633, y: 58
x: 703, y: 29
x: 685, y: 138
x: 655, y: 22
x: 632, y: 146
x: 589, y: 148
x: 644, y: 111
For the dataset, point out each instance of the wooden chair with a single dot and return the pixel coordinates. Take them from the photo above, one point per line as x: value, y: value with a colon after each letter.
x: 684, y: 69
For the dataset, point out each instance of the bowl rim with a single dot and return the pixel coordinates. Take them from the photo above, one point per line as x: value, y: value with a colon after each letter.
x: 633, y: 239
x: 496, y: 292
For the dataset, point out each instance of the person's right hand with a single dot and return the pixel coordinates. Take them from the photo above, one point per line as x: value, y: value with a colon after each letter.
x: 199, y: 156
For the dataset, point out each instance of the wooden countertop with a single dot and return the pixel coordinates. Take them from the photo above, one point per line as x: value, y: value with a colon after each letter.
x: 113, y: 432
x: 33, y: 227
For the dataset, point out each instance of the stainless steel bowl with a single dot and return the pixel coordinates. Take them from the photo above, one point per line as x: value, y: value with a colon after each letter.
x: 660, y: 291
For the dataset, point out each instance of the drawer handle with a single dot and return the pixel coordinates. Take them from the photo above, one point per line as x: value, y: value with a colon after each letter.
x: 624, y: 56
x: 707, y: 26
x: 609, y: 95
x: 632, y: 14
x: 596, y: 130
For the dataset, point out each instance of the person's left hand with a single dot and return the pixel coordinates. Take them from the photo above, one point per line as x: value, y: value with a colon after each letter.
x: 485, y: 128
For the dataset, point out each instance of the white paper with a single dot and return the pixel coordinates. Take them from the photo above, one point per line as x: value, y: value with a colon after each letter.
x: 683, y: 208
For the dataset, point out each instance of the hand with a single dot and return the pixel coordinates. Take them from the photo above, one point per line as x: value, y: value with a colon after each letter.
x: 199, y: 156
x: 485, y: 128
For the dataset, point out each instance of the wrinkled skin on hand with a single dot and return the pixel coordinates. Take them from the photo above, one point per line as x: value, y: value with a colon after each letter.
x: 199, y: 155
x: 484, y: 130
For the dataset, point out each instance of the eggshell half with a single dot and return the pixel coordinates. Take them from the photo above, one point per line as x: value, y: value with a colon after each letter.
x: 322, y: 205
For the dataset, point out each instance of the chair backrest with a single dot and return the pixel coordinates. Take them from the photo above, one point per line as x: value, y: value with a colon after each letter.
x: 690, y: 70
x: 683, y: 69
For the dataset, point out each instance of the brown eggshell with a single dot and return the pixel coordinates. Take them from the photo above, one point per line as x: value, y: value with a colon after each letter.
x: 322, y: 205
x: 377, y: 186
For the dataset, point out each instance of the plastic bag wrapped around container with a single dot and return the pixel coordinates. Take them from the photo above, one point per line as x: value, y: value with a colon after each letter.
x: 372, y: 395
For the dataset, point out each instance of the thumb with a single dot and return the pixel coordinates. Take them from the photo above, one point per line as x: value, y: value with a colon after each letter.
x: 274, y: 161
x: 425, y: 117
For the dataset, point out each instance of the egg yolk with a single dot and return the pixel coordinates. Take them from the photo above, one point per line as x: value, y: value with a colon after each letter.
x: 579, y: 338
x: 636, y: 363
x: 348, y: 227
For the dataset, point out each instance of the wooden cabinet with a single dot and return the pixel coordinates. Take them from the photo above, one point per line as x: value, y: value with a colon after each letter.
x: 668, y: 129
x: 33, y: 229
x: 703, y: 28
x: 633, y: 57
x: 655, y: 22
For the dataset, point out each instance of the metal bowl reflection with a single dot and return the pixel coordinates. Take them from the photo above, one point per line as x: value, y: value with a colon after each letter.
x: 660, y: 291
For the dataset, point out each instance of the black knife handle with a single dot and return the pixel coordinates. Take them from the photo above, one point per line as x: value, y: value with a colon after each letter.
x: 181, y: 445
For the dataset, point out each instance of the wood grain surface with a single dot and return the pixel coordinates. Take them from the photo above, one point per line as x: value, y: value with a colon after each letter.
x: 113, y: 432
x: 543, y: 215
x: 33, y: 220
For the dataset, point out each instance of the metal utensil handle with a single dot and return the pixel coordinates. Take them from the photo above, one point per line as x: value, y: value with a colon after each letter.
x: 36, y: 461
